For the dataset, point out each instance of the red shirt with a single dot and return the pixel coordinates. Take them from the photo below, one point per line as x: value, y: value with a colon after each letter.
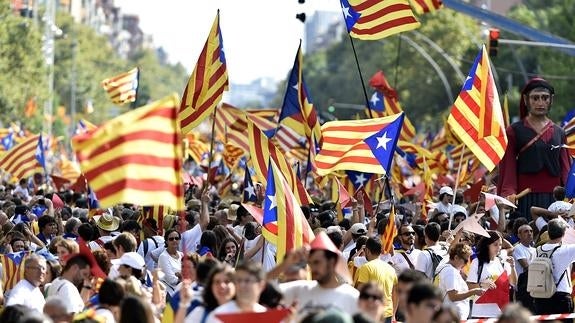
x: 542, y: 182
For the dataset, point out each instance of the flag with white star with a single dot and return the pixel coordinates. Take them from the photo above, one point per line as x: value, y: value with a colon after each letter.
x: 284, y: 223
x: 383, y: 142
x: 8, y: 141
x: 39, y: 154
x: 372, y: 20
x: 358, y: 179
x: 570, y: 186
x: 360, y: 145
x: 476, y: 117
x: 249, y: 189
x: 297, y: 110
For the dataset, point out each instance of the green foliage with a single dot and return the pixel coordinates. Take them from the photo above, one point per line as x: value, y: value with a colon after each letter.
x: 22, y: 71
x: 555, y: 17
x: 80, y: 51
x: 332, y: 75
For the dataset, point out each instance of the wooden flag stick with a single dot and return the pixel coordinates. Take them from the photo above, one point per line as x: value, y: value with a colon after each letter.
x: 456, y: 186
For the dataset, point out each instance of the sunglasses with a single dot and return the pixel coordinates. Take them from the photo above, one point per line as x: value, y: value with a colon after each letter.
x: 367, y: 296
x: 543, y: 97
x: 409, y: 233
x: 174, y: 239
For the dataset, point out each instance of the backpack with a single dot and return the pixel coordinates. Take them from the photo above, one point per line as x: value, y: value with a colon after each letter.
x: 435, y: 261
x: 540, y: 282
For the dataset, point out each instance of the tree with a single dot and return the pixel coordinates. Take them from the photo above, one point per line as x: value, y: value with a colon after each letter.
x: 22, y: 70
x: 332, y: 75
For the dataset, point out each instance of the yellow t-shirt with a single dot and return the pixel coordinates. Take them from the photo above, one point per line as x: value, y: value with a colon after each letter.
x: 379, y: 271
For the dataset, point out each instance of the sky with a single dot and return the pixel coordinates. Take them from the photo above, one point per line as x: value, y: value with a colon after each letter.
x: 260, y: 36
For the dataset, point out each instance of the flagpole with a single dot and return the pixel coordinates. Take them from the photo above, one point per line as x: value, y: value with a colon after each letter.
x: 360, y: 76
x: 397, y: 61
x: 133, y: 104
x: 211, y: 159
x: 456, y: 187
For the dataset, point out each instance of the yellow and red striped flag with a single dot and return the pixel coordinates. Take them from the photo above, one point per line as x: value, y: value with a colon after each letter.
x: 136, y: 157
x: 196, y: 148
x: 157, y: 213
x: 122, y: 88
x: 284, y: 223
x: 426, y: 6
x: 376, y: 19
x: 207, y: 83
x: 476, y: 116
x: 361, y: 145
x: 20, y: 161
x: 232, y: 155
x: 389, y: 233
x: 262, y: 151
x: 12, y: 268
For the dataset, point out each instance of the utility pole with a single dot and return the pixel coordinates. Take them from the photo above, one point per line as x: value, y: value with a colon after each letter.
x: 73, y: 88
x: 48, y: 48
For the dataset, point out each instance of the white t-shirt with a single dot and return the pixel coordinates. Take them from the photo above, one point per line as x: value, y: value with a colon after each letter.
x: 490, y: 273
x: 64, y: 289
x: 106, y: 314
x: 229, y: 308
x: 196, y: 315
x: 94, y: 245
x: 26, y: 294
x: 153, y: 243
x: 399, y: 263
x: 269, y: 253
x: 191, y: 239
x: 562, y: 260
x: 424, y: 263
x: 239, y: 230
x: 522, y: 252
x: 170, y: 266
x: 310, y: 296
x: 448, y: 279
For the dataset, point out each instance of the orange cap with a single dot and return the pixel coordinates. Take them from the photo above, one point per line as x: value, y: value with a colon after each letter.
x: 323, y: 242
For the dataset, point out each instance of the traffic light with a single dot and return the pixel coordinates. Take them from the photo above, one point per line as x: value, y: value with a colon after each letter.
x: 301, y: 17
x: 493, y: 42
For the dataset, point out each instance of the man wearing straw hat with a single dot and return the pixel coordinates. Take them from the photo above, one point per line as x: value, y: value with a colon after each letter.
x: 106, y: 224
x: 534, y: 158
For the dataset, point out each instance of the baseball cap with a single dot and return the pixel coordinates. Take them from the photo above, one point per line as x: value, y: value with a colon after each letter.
x: 447, y: 190
x: 358, y: 228
x: 130, y: 259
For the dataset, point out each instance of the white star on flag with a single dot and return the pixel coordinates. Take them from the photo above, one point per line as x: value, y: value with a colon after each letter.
x: 374, y: 99
x: 345, y: 11
x: 360, y: 179
x: 273, y: 200
x: 250, y: 189
x: 382, y: 141
x: 295, y: 86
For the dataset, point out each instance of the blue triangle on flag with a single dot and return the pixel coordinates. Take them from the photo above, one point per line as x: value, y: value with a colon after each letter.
x: 358, y: 179
x: 349, y: 14
x: 383, y: 142
x: 270, y: 204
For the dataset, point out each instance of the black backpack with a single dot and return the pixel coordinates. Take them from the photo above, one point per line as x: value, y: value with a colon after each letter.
x: 435, y: 260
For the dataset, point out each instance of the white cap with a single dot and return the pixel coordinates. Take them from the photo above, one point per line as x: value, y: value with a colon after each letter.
x: 458, y: 208
x: 358, y: 228
x: 130, y: 259
x: 446, y: 189
x: 559, y: 207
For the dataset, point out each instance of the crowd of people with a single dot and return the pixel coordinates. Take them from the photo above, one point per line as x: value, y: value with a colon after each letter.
x: 64, y: 262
